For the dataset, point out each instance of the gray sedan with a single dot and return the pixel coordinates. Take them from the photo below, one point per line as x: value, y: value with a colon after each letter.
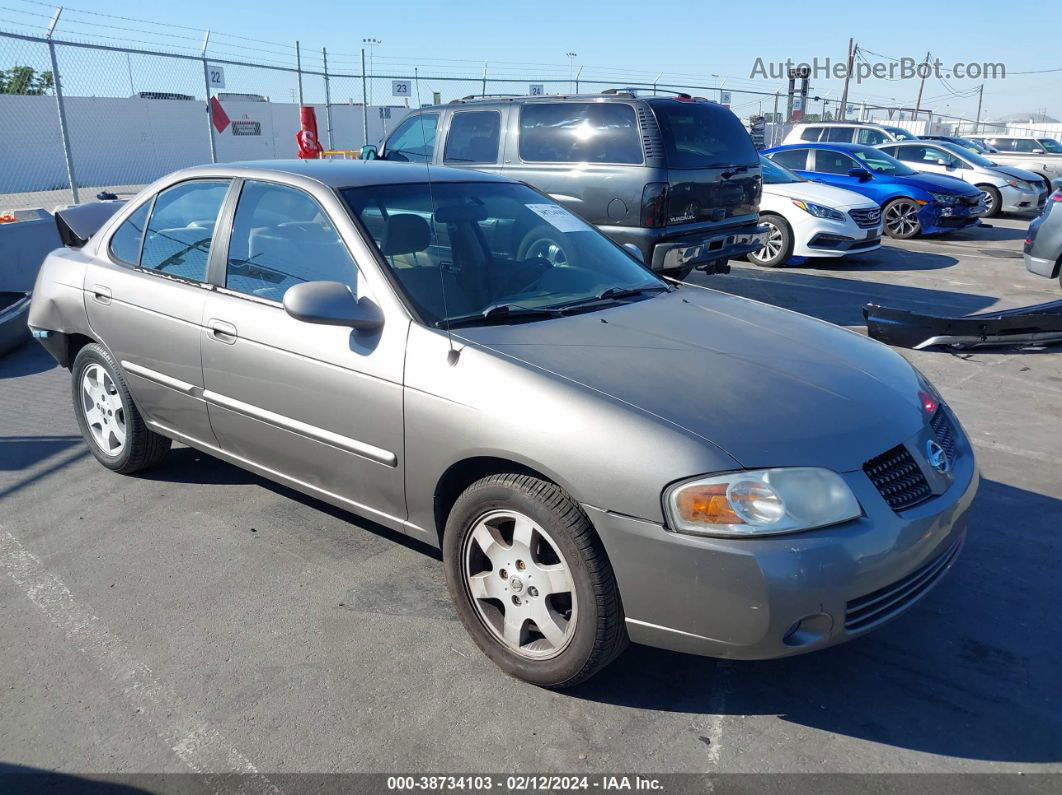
x: 1043, y: 243
x: 602, y: 455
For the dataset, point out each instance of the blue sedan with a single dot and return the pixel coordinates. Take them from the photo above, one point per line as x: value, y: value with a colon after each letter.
x: 912, y: 203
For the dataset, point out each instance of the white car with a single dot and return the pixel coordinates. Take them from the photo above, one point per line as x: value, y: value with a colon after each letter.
x: 810, y: 219
x: 847, y: 132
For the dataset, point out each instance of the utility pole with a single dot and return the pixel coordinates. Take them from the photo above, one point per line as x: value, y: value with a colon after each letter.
x: 980, y: 96
x: 921, y: 85
x: 847, y: 76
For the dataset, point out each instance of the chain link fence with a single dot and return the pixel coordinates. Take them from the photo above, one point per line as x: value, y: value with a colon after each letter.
x: 78, y: 118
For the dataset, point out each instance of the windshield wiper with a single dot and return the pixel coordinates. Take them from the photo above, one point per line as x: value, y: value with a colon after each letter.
x: 498, y: 313
x: 615, y: 293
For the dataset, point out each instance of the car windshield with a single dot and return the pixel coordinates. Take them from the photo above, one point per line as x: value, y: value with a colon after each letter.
x: 478, y: 251
x: 1051, y: 145
x: 774, y: 174
x: 901, y: 134
x: 966, y: 154
x: 880, y: 163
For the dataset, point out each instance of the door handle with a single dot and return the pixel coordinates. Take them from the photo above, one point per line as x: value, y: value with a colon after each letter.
x: 101, y: 293
x: 221, y: 331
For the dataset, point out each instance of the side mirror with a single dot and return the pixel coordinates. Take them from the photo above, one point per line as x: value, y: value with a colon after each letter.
x: 860, y: 173
x: 369, y: 152
x: 332, y: 304
x: 1037, y: 151
x: 634, y: 251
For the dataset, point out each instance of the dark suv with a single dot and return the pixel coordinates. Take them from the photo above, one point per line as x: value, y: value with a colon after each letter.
x: 677, y: 178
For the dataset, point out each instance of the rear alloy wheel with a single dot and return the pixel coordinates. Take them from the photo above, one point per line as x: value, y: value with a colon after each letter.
x: 546, y: 243
x: 900, y: 217
x: 109, y: 421
x: 531, y: 581
x: 779, y: 246
x: 992, y: 200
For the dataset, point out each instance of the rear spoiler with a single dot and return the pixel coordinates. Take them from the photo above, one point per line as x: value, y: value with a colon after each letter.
x: 79, y: 222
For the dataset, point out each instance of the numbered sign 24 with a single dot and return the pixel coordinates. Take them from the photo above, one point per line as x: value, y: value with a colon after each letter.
x: 215, y: 76
x: 536, y: 89
x: 400, y: 88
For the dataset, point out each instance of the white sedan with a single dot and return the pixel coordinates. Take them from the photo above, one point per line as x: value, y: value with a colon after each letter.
x: 810, y: 219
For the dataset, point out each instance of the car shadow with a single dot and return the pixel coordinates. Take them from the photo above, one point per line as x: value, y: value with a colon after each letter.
x: 837, y: 299
x: 989, y: 232
x: 27, y: 359
x: 22, y: 452
x: 885, y: 259
x: 19, y: 779
x: 971, y: 671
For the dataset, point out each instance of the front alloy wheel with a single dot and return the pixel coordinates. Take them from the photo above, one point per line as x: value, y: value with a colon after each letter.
x: 520, y: 584
x: 531, y: 581
x: 901, y: 219
x: 779, y: 245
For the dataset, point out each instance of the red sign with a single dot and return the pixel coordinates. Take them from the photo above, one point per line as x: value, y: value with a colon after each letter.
x: 218, y: 115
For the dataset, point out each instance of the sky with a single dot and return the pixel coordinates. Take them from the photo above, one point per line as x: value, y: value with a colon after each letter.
x: 705, y: 43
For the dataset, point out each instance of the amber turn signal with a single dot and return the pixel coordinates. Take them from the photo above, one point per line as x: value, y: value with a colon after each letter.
x: 706, y: 503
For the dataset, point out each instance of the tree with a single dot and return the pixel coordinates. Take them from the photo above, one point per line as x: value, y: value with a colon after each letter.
x: 25, y: 80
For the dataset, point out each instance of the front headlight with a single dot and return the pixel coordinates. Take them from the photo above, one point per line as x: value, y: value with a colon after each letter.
x: 818, y: 210
x: 946, y: 199
x: 1021, y: 185
x: 760, y: 502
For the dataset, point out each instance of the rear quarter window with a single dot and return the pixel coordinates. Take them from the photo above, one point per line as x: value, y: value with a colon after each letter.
x: 579, y: 132
x: 703, y: 135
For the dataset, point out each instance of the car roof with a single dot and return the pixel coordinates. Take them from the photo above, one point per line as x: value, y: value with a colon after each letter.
x: 619, y: 96
x: 840, y: 124
x: 345, y: 173
x: 836, y: 146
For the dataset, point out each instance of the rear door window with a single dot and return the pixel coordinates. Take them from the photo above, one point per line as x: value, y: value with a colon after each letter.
x: 126, y: 241
x: 414, y: 139
x: 794, y: 159
x: 703, y: 135
x: 473, y: 137
x: 579, y: 132
x: 178, y: 237
x: 839, y: 134
x: 810, y: 133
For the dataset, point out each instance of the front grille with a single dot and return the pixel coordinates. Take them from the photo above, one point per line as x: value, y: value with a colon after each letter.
x: 884, y: 603
x: 970, y: 201
x: 898, y: 478
x: 942, y: 429
x: 866, y: 219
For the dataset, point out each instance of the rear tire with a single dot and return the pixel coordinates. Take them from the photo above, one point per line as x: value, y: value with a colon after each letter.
x: 779, y: 246
x: 531, y: 581
x: 109, y: 420
x: 993, y: 200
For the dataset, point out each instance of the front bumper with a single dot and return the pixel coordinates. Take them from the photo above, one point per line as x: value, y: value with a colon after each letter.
x: 1013, y: 200
x: 824, y: 237
x: 789, y: 594
x: 938, y: 219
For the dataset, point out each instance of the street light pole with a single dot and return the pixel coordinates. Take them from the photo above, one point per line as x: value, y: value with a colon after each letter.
x: 372, y: 42
x: 571, y: 69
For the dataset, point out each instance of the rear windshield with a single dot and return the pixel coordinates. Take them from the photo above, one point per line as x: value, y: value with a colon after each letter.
x: 703, y: 135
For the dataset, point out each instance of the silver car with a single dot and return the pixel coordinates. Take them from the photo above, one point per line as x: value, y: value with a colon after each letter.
x: 601, y: 454
x: 1006, y: 189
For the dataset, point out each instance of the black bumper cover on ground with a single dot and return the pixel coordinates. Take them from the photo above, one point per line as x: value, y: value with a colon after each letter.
x: 1041, y: 323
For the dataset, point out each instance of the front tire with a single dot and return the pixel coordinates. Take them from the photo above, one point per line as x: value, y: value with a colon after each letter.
x: 531, y: 581
x: 993, y: 200
x: 779, y: 245
x: 900, y: 218
x: 109, y: 420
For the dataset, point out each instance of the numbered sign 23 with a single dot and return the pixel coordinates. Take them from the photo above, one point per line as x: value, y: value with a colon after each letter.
x: 400, y: 88
x: 215, y: 76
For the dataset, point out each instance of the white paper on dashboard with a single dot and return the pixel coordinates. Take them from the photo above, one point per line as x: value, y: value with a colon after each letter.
x: 557, y: 216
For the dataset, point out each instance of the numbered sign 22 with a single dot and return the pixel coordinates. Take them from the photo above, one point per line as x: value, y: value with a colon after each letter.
x: 215, y: 76
x: 400, y: 88
x: 536, y: 89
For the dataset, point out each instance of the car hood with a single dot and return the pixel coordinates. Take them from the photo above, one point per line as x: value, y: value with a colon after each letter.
x: 941, y: 182
x: 769, y: 386
x: 820, y: 193
x: 1018, y: 173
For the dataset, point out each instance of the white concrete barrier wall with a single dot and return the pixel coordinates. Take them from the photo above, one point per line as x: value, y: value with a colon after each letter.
x: 128, y: 141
